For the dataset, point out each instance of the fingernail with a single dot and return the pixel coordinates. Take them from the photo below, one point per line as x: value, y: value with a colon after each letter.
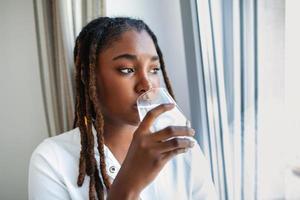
x: 192, y: 144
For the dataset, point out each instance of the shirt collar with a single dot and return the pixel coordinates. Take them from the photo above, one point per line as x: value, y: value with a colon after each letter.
x: 112, y: 164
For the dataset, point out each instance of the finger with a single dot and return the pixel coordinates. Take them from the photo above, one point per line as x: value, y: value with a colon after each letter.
x: 172, y: 131
x: 152, y: 115
x: 168, y: 155
x: 173, y: 144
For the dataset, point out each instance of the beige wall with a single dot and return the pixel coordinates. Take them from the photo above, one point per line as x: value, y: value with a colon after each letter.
x: 22, y: 119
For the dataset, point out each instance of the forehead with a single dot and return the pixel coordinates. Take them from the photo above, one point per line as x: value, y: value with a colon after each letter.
x: 133, y: 42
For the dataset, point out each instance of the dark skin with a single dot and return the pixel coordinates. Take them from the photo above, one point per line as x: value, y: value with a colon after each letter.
x: 129, y: 67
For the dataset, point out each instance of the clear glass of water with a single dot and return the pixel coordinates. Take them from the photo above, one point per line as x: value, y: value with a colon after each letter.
x: 153, y: 98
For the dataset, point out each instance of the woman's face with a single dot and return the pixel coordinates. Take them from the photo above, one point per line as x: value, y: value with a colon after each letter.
x: 126, y: 69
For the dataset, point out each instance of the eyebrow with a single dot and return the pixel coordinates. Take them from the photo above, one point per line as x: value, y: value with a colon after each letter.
x: 133, y: 57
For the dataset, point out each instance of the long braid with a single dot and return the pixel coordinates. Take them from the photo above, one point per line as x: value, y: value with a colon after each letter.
x: 87, y: 163
x: 163, y: 69
x: 91, y: 156
x: 99, y: 123
x: 79, y: 110
x: 98, y: 185
x: 96, y: 36
x: 91, y: 93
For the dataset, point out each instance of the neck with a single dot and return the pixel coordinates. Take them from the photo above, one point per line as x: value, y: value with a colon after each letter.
x: 118, y: 138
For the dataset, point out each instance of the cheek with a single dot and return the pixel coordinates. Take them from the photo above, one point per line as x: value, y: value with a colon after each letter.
x: 115, y: 88
x: 114, y: 97
x: 155, y: 82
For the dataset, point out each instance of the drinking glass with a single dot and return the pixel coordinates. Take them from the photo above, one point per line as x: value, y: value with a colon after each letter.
x: 174, y: 117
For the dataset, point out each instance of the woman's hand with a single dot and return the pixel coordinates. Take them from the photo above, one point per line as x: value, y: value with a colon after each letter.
x: 148, y: 153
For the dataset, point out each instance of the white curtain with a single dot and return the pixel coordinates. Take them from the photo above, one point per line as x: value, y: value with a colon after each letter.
x: 221, y: 50
x: 58, y: 22
x: 216, y: 141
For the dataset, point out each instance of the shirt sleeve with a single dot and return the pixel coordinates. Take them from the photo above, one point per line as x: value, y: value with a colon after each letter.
x: 44, y: 181
x: 202, y: 186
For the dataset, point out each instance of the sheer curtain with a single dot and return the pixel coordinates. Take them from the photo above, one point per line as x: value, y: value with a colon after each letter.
x: 221, y: 50
x: 57, y: 24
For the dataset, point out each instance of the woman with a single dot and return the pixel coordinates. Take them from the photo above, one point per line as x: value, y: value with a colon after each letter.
x: 110, y: 154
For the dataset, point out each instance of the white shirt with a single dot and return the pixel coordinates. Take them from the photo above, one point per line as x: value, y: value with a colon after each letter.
x: 53, y: 172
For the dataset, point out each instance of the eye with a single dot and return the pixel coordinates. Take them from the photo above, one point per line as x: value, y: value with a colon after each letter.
x: 126, y: 70
x: 155, y: 70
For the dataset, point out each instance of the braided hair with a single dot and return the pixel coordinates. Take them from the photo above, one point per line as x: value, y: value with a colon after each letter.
x: 94, y: 38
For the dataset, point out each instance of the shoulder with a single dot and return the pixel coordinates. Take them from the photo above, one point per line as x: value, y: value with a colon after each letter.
x: 51, y: 149
x: 196, y: 164
x: 188, y: 163
x: 198, y: 161
x: 194, y: 156
x: 202, y: 184
x: 198, y: 155
x: 52, y: 165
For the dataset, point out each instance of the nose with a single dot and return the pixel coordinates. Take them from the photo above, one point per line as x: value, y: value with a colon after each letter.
x: 143, y: 85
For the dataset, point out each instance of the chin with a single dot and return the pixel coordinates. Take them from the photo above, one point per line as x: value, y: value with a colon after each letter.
x: 134, y: 122
x: 133, y: 118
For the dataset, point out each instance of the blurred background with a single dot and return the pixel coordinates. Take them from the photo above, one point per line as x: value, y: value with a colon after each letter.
x: 232, y: 63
